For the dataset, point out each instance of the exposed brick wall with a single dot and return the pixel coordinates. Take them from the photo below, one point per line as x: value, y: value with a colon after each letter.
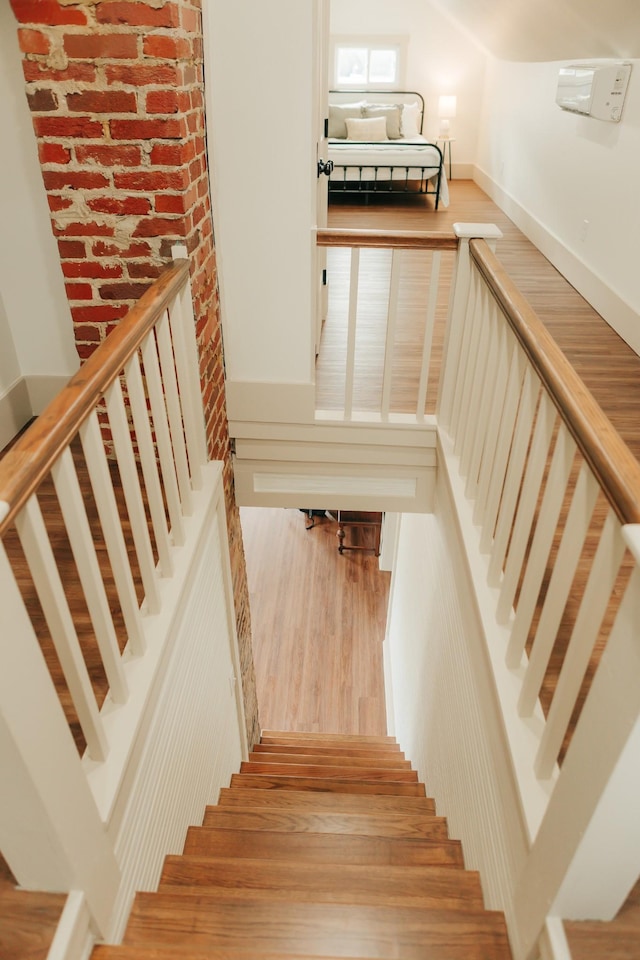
x: 116, y: 92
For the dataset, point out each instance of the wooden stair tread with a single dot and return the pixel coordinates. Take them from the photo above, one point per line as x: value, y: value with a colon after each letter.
x: 320, y: 847
x: 312, y: 748
x: 364, y: 804
x: 328, y: 772
x: 330, y: 759
x: 345, y: 883
x: 28, y: 922
x: 333, y: 929
x: 125, y: 952
x: 283, y: 735
x: 280, y: 782
x: 285, y: 821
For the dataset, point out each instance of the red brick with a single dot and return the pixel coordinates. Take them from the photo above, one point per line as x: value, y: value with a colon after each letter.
x: 121, y: 207
x: 147, y: 129
x: 42, y: 100
x: 74, y: 179
x: 166, y: 48
x: 87, y: 331
x: 166, y: 154
x: 89, y: 268
x: 189, y: 20
x: 57, y: 203
x: 101, y: 313
x: 67, y: 127
x: 149, y: 180
x: 33, y: 41
x: 160, y: 227
x: 102, y: 101
x: 48, y: 12
x: 139, y: 74
x: 102, y: 249
x: 162, y: 101
x: 84, y: 351
x: 137, y: 14
x: 145, y: 270
x: 108, y: 46
x: 108, y: 155
x: 71, y: 249
x: 169, y: 203
x: 36, y: 71
x: 79, y: 291
x: 53, y: 153
x: 123, y: 291
x: 83, y: 229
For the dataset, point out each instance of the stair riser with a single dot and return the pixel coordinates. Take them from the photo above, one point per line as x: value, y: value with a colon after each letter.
x: 330, y: 760
x: 411, y: 827
x: 329, y: 802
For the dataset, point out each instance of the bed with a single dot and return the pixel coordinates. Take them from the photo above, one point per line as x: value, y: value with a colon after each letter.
x: 377, y: 147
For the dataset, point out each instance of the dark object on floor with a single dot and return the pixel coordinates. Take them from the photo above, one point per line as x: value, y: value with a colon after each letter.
x: 311, y: 515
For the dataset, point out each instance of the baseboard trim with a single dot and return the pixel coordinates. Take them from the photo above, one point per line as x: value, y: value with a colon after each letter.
x: 25, y: 399
x: 620, y: 316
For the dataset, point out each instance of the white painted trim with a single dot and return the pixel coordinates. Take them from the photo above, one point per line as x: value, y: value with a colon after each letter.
x: 15, y: 411
x: 43, y: 389
x: 616, y: 311
x: 73, y: 939
x: 270, y: 402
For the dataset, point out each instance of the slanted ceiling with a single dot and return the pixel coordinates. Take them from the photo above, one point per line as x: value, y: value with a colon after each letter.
x: 540, y: 30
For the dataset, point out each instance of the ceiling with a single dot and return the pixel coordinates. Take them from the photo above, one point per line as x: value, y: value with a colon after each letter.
x: 530, y: 30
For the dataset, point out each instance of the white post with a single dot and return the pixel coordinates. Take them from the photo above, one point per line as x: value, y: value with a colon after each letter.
x: 50, y: 832
x: 586, y: 856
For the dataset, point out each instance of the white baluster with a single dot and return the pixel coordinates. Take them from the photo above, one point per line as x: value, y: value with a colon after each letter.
x: 596, y: 597
x: 46, y: 578
x: 351, y: 332
x: 527, y: 502
x: 575, y: 531
x: 495, y: 408
x: 69, y: 494
x: 170, y: 383
x: 484, y: 380
x: 432, y: 302
x: 183, y: 335
x: 513, y: 478
x: 148, y: 462
x: 101, y: 483
x: 163, y: 436
x: 132, y: 494
x: 392, y: 315
x: 471, y: 336
x: 554, y: 493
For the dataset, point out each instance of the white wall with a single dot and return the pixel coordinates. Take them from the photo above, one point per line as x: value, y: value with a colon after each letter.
x: 441, y: 60
x: 35, y: 327
x: 552, y: 170
x: 259, y: 63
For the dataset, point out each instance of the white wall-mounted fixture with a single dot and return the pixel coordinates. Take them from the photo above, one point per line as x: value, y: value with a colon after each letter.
x: 594, y: 89
x: 446, y: 111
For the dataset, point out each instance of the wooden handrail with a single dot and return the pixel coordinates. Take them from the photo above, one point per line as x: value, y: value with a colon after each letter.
x: 614, y: 466
x: 30, y: 459
x: 396, y: 239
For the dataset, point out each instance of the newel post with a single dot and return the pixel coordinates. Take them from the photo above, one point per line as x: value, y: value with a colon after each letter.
x: 586, y: 856
x: 458, y: 303
x: 51, y: 834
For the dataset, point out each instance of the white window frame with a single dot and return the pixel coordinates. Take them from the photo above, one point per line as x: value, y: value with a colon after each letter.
x: 397, y: 43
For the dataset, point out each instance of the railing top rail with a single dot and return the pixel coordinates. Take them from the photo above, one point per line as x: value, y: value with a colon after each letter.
x: 613, y: 464
x: 30, y: 459
x: 395, y: 239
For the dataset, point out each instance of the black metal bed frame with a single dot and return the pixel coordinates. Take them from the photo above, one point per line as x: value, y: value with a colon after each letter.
x: 399, y: 187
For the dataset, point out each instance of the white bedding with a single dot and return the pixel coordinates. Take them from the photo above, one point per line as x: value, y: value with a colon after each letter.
x: 415, y: 153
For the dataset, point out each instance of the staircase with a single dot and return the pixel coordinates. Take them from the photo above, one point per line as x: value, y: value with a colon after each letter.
x: 323, y: 846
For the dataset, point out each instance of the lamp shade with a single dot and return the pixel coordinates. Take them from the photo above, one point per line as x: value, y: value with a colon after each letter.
x: 447, y: 107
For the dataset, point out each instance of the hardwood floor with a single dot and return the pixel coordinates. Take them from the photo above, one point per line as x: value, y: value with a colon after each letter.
x: 318, y: 622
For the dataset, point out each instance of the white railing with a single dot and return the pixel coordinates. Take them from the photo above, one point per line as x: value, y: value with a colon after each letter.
x: 548, y: 497
x: 382, y: 340
x: 99, y: 521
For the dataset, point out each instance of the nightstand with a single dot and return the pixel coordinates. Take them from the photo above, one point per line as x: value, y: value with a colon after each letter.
x: 446, y: 142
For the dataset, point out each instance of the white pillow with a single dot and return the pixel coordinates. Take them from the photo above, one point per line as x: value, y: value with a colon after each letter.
x: 410, y: 123
x: 391, y: 111
x: 338, y: 112
x: 372, y: 128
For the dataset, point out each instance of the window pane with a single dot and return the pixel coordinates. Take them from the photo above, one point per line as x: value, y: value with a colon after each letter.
x: 351, y: 66
x: 383, y: 66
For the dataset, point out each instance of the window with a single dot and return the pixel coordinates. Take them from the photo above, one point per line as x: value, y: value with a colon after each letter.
x: 360, y: 63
